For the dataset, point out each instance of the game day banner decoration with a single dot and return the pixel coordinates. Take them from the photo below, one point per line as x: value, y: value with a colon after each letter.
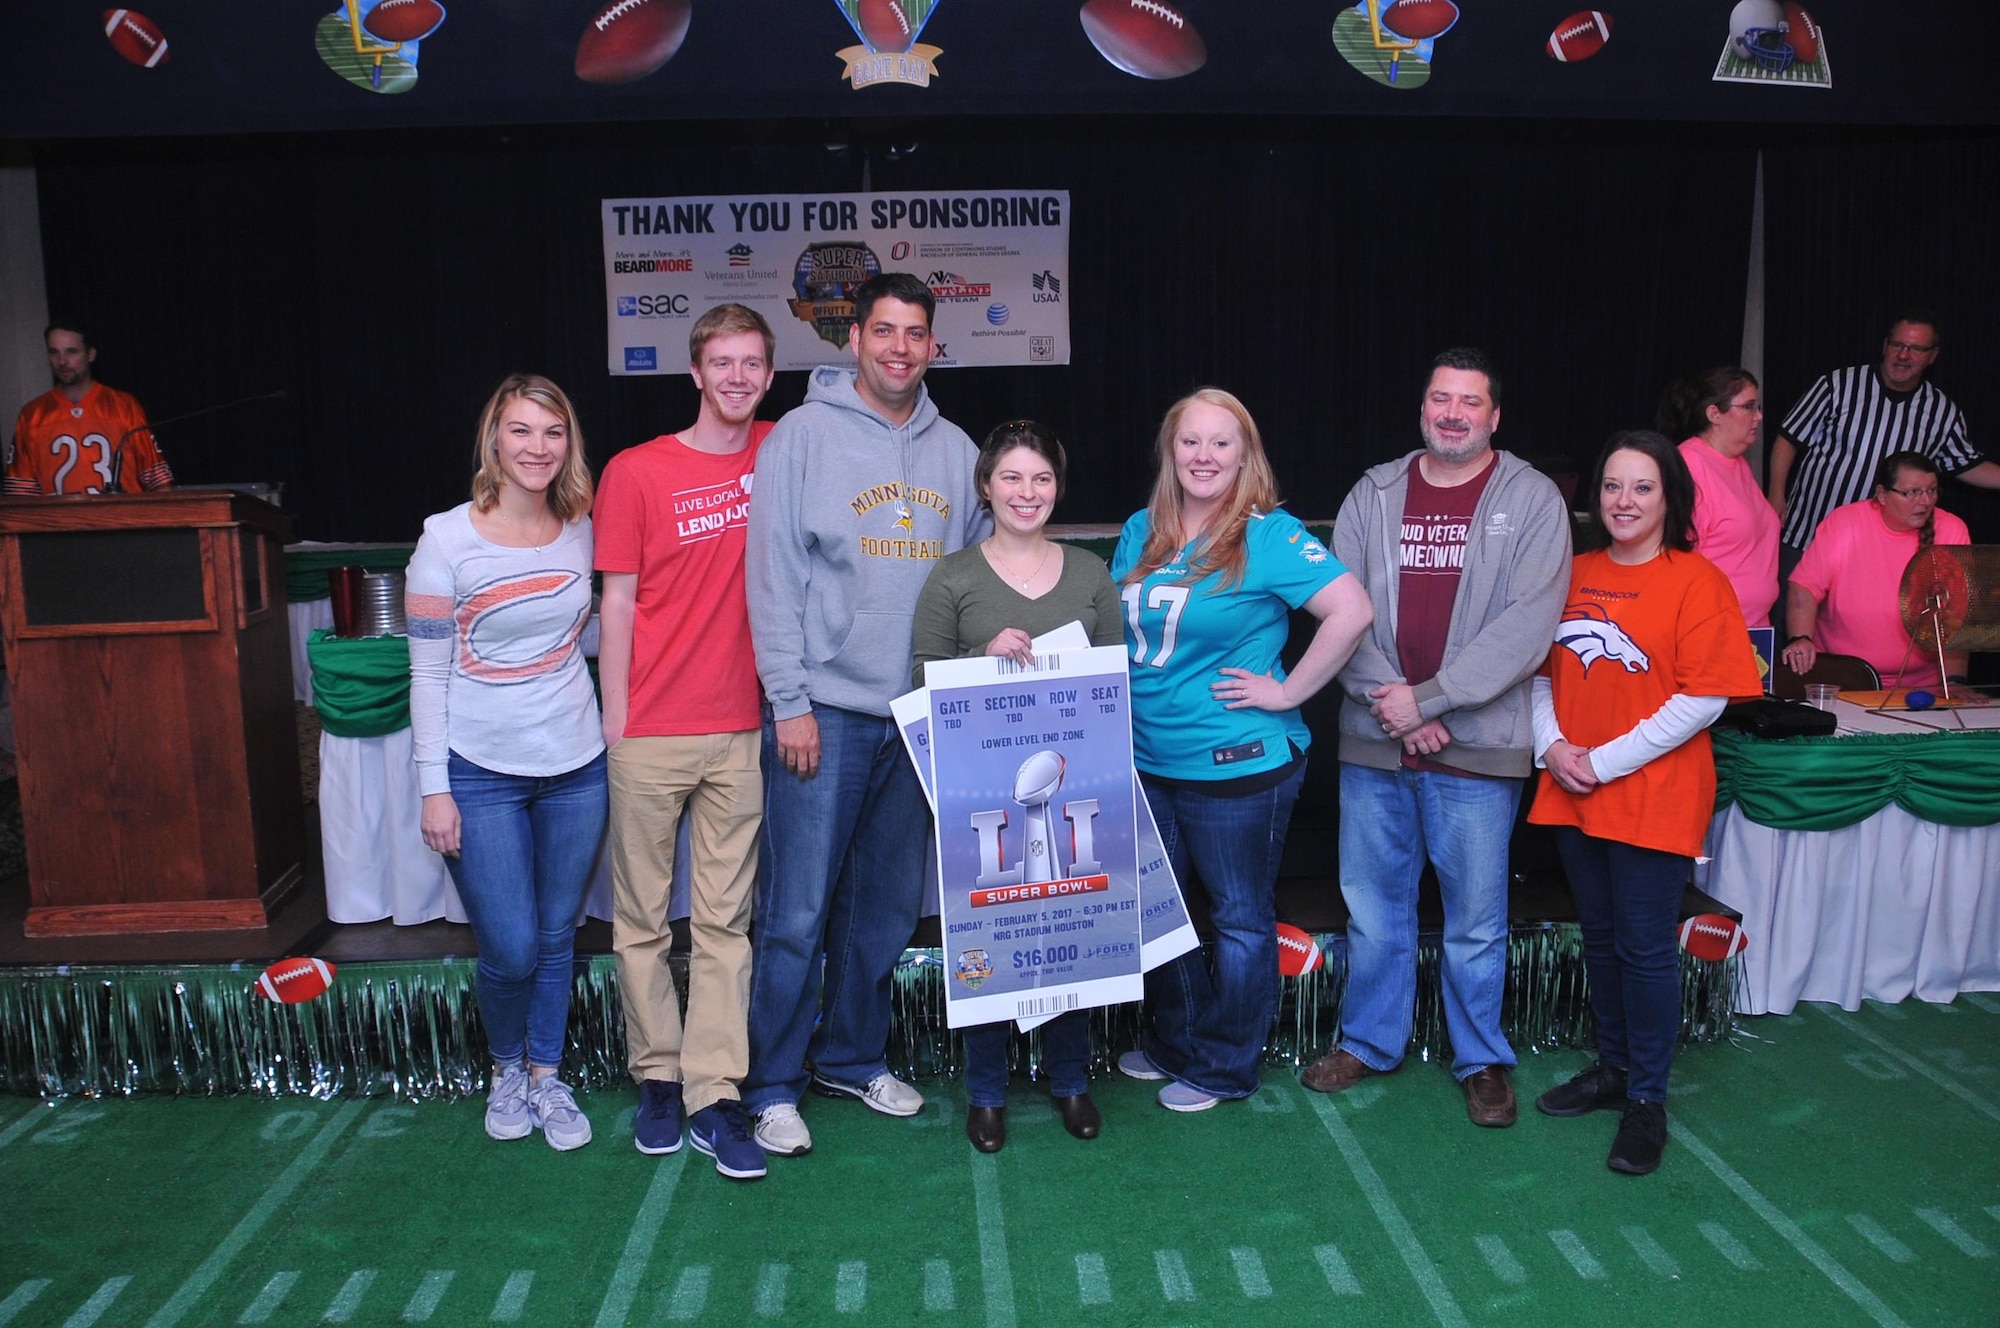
x: 1037, y: 841
x: 996, y: 260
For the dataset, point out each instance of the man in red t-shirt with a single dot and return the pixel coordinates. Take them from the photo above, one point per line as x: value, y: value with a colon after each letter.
x: 81, y: 436
x: 682, y: 717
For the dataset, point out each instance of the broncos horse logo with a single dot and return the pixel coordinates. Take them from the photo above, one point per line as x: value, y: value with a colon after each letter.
x: 1588, y: 631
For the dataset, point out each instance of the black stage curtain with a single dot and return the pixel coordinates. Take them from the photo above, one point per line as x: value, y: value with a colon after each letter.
x: 1313, y: 266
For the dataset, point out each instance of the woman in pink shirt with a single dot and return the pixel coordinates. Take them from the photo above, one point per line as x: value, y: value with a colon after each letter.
x: 1734, y: 525
x: 1845, y: 595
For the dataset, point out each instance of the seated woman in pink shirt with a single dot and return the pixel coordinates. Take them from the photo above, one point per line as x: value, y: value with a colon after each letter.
x: 1719, y: 413
x: 1845, y: 597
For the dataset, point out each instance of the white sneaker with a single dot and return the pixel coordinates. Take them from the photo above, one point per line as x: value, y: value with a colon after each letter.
x: 1137, y: 1065
x: 781, y: 1132
x: 507, y: 1104
x: 885, y: 1093
x: 553, y: 1109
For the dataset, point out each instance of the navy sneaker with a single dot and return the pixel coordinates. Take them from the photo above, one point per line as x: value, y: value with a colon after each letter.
x: 657, y: 1127
x: 723, y: 1130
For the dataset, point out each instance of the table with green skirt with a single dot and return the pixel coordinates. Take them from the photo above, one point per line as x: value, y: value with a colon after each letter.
x: 1866, y: 865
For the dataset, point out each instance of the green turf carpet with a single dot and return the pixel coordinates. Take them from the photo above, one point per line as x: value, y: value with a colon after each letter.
x: 1825, y: 1169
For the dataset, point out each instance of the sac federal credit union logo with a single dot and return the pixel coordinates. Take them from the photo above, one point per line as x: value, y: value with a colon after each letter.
x: 824, y: 279
x: 890, y: 52
x: 664, y: 304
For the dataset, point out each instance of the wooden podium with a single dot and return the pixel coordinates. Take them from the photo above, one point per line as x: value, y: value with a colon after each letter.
x: 149, y: 656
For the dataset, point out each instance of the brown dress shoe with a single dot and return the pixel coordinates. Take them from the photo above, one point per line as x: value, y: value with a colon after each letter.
x: 1079, y: 1115
x: 1489, y: 1097
x: 1337, y: 1071
x: 986, y: 1127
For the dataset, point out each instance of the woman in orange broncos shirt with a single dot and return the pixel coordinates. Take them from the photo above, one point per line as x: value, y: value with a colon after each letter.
x: 1650, y: 648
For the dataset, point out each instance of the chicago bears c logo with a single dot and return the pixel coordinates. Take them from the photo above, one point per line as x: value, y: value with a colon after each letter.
x: 1588, y: 631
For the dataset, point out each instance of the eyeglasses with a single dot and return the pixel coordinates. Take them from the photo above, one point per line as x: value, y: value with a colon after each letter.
x: 1904, y: 345
x: 1750, y: 407
x: 1914, y: 494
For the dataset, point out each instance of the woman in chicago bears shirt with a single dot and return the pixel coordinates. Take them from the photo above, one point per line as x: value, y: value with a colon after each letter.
x: 1650, y: 648
x: 1208, y: 574
x: 509, y: 746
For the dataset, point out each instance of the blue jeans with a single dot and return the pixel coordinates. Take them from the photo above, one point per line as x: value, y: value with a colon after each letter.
x: 840, y: 882
x: 1390, y: 821
x: 1211, y: 1015
x: 526, y: 845
x: 1065, y: 1052
x: 1628, y: 902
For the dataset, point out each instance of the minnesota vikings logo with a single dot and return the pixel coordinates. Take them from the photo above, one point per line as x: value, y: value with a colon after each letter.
x: 1588, y: 631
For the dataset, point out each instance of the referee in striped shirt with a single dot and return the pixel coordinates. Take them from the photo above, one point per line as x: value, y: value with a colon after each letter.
x: 1850, y: 419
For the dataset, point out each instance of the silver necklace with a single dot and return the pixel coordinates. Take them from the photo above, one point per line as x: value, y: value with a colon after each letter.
x: 1048, y: 547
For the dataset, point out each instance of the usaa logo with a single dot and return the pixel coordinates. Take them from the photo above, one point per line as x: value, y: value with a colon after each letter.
x: 653, y: 306
x: 1048, y: 287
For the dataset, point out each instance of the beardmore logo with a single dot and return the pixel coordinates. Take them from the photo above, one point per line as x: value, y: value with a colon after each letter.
x: 890, y: 52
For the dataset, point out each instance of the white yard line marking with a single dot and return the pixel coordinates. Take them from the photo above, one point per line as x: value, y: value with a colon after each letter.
x: 1422, y: 1269
x: 996, y: 1270
x: 273, y: 1295
x: 1333, y: 1267
x: 646, y: 1224
x: 771, y: 1289
x: 348, y: 1299
x: 424, y: 1301
x: 1943, y: 1009
x: 21, y: 1297
x: 1650, y: 1251
x: 1807, y: 1247
x: 1894, y: 1014
x: 1895, y: 1251
x: 1175, y: 1284
x: 1250, y: 1274
x: 1986, y: 1003
x: 1994, y: 1212
x: 36, y: 1115
x: 1921, y: 1066
x: 93, y: 1309
x: 939, y: 1293
x: 513, y: 1297
x: 690, y: 1294
x: 274, y: 1198
x: 1093, y: 1283
x: 850, y: 1287
x: 1729, y: 1247
x: 1571, y: 1247
x: 1941, y: 1222
x: 1501, y: 1260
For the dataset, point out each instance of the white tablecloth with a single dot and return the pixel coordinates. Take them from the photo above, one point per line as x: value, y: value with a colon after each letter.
x: 376, y: 864
x: 1883, y: 910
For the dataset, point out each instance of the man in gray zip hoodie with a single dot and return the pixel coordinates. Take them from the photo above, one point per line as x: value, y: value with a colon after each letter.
x: 1465, y: 552
x: 857, y: 494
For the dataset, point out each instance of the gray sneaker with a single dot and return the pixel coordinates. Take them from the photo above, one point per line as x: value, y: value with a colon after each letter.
x: 507, y: 1104
x: 885, y: 1093
x: 553, y: 1109
x: 782, y: 1132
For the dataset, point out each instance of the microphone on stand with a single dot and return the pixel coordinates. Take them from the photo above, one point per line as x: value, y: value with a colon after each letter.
x: 118, y: 449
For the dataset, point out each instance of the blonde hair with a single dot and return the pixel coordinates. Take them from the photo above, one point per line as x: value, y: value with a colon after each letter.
x: 569, y: 494
x: 1222, y: 548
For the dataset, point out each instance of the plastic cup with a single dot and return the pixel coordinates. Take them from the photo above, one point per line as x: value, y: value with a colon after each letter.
x: 343, y: 585
x: 1821, y: 695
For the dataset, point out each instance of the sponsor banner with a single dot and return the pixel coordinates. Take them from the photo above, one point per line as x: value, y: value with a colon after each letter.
x: 1037, y: 835
x: 996, y: 260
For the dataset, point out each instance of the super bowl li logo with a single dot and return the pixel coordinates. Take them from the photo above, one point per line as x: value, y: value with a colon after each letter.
x: 890, y: 52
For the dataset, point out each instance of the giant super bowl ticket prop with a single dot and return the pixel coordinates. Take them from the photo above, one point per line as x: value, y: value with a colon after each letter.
x: 1037, y: 834
x: 996, y: 261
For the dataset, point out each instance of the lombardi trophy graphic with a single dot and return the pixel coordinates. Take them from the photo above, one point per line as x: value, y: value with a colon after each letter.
x: 1035, y: 786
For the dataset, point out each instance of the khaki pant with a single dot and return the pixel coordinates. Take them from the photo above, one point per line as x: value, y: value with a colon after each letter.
x: 718, y: 779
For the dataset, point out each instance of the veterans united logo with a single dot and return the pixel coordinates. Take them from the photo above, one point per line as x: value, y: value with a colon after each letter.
x: 824, y: 279
x: 890, y: 52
